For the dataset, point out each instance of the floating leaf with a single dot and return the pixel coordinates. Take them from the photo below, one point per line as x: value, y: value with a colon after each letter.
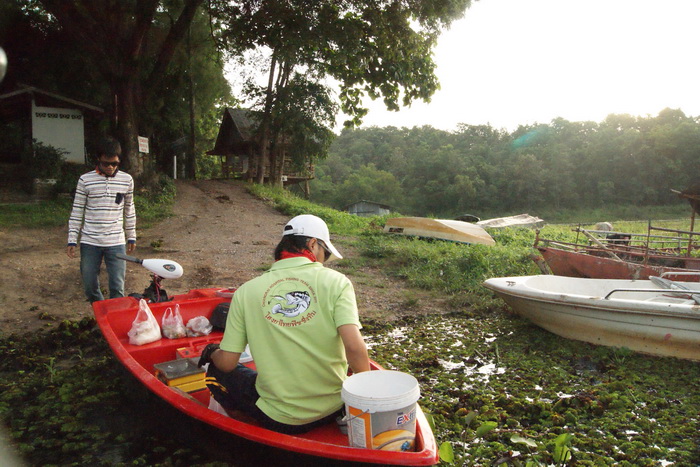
x: 485, y: 428
x: 446, y: 452
x: 470, y: 417
x: 563, y: 439
x: 562, y: 453
x: 521, y: 440
x: 431, y: 420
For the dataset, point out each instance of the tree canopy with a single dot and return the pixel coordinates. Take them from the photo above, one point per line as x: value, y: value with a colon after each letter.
x: 145, y: 62
x: 376, y: 49
x: 484, y: 171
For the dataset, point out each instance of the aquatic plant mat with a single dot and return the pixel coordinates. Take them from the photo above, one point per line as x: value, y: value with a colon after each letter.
x: 498, y: 389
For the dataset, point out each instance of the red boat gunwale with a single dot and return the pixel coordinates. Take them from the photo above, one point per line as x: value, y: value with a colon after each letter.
x: 115, y: 317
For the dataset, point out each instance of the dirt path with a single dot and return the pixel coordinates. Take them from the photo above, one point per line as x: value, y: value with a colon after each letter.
x: 220, y: 234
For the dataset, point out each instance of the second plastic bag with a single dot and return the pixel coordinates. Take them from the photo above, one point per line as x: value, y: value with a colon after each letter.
x: 172, y: 325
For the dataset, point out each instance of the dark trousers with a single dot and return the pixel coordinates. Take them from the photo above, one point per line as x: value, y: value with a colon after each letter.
x: 235, y: 390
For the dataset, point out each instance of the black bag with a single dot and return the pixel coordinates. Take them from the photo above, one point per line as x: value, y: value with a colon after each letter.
x: 219, y: 316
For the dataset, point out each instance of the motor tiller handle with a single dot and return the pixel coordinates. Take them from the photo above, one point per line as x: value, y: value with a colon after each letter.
x: 131, y: 259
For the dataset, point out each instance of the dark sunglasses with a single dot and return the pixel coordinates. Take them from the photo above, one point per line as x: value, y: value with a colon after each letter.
x: 109, y: 164
x: 324, y: 247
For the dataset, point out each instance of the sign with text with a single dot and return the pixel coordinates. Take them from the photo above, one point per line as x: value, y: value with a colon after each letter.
x: 143, y: 144
x: 61, y: 128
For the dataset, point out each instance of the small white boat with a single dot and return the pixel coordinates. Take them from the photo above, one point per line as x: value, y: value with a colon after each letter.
x: 637, y: 314
x: 521, y: 220
x: 444, y: 229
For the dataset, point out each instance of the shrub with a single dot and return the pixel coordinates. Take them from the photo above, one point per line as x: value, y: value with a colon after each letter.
x: 45, y: 161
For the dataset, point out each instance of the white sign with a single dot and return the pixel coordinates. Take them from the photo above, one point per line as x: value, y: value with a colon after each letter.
x: 61, y: 128
x: 143, y: 144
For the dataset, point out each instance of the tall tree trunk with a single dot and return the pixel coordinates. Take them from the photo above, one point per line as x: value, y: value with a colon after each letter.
x: 272, y: 180
x: 277, y: 146
x: 114, y: 35
x: 262, y: 157
x: 277, y: 156
x: 264, y: 130
x: 127, y: 126
x: 252, y: 160
x: 279, y: 163
x: 191, y: 167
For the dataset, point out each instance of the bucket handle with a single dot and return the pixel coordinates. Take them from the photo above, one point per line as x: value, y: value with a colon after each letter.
x: 347, y: 418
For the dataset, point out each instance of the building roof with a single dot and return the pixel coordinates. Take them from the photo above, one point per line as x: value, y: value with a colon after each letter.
x: 14, y: 104
x: 368, y: 202
x: 236, y: 133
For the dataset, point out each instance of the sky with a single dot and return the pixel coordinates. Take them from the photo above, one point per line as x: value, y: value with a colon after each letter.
x: 515, y: 62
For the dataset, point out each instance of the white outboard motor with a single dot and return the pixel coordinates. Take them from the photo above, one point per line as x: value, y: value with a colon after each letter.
x: 165, y: 268
x: 161, y: 269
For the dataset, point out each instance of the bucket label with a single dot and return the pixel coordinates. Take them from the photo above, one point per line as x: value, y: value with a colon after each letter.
x: 406, y: 418
x: 387, y: 431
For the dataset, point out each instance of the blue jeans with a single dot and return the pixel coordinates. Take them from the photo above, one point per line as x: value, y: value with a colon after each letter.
x: 90, y: 262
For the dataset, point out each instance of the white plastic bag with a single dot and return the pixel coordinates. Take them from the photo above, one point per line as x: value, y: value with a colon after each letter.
x: 144, y: 329
x: 172, y: 325
x: 198, y: 326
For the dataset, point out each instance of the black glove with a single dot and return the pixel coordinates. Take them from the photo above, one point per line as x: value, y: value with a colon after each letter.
x: 206, y: 354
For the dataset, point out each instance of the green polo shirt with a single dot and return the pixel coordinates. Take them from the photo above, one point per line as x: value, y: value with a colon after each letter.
x: 290, y: 317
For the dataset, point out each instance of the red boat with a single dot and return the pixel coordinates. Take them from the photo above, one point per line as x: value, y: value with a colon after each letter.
x: 325, y: 445
x: 618, y: 255
x: 587, y: 262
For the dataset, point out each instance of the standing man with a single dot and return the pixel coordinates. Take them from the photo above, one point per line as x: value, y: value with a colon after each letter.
x: 301, y: 322
x: 103, y: 209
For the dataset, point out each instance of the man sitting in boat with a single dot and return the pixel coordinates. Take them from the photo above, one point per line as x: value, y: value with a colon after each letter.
x: 301, y: 322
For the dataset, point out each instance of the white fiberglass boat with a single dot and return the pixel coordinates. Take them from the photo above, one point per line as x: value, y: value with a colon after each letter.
x: 643, y: 315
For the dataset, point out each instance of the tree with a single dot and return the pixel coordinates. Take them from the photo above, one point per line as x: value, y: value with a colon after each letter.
x: 376, y: 49
x: 301, y: 126
x: 370, y: 184
x: 184, y: 116
x: 129, y: 44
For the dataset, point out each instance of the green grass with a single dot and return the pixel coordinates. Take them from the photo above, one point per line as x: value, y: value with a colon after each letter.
x: 615, y: 213
x: 339, y: 223
x: 455, y: 270
x: 50, y: 213
x: 152, y: 204
x: 452, y: 269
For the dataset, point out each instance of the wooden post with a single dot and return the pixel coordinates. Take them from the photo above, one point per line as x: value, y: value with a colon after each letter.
x: 692, y: 229
x: 598, y: 243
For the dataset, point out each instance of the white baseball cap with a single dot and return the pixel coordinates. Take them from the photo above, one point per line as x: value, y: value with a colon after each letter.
x: 308, y: 225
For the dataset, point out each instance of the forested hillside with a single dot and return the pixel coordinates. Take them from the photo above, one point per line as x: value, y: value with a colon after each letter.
x: 485, y: 171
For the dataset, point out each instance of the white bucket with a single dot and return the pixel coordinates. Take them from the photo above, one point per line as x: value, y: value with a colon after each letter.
x: 381, y: 410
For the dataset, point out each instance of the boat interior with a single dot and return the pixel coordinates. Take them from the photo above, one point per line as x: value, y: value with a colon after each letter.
x: 115, y: 318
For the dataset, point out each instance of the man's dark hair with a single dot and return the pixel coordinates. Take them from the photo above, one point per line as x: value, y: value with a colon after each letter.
x: 109, y: 147
x: 297, y: 244
x: 291, y: 244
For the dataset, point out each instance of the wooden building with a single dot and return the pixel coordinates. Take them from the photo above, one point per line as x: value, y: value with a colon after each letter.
x: 238, y: 146
x: 29, y: 113
x: 364, y: 208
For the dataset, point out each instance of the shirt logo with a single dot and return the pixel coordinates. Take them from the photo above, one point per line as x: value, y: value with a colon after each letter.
x: 297, y: 303
x: 289, y: 302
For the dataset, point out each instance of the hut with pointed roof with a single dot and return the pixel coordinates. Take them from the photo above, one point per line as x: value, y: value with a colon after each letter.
x: 238, y: 146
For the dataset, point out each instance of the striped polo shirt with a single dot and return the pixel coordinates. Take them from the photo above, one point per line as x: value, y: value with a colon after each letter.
x: 103, y: 209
